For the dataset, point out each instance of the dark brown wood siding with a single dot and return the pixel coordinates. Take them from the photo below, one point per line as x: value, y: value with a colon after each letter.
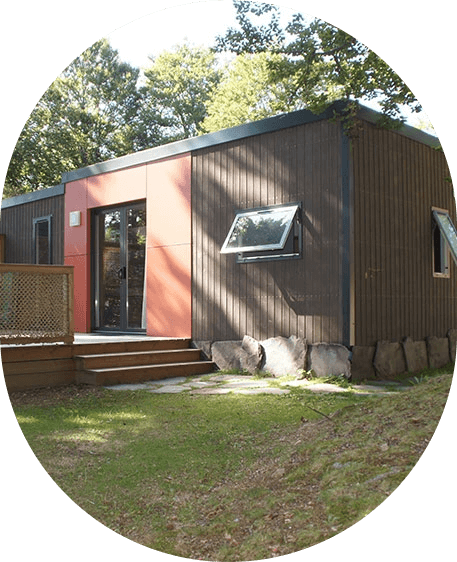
x: 293, y: 297
x: 16, y: 223
x: 397, y: 180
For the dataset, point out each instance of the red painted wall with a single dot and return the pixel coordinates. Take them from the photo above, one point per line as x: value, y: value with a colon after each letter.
x: 166, y: 187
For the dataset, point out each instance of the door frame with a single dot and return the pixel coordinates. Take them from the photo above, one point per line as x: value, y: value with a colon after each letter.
x: 95, y: 264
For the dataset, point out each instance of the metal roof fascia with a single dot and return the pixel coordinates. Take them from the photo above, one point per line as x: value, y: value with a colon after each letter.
x: 268, y: 125
x: 33, y: 196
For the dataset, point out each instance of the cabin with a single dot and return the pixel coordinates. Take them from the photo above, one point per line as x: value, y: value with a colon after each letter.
x: 290, y: 226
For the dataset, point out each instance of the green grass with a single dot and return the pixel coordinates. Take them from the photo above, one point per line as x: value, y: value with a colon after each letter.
x: 230, y: 477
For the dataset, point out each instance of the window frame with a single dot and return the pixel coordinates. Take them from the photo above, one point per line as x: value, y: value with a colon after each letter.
x: 290, y: 246
x: 445, y: 248
x: 36, y: 222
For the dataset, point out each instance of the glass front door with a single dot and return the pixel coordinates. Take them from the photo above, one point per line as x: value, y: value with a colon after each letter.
x: 120, y: 256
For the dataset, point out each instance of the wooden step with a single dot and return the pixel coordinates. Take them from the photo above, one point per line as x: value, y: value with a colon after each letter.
x: 132, y: 358
x: 142, y: 373
x: 130, y: 346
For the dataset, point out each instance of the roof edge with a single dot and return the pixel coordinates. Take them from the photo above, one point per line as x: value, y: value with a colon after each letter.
x: 34, y: 196
x: 267, y: 125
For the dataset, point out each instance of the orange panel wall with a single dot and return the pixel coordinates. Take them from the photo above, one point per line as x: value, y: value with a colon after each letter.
x: 166, y: 187
x: 169, y: 279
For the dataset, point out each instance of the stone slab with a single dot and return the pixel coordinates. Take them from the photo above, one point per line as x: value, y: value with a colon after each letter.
x: 169, y: 389
x: 362, y: 363
x: 415, y: 355
x: 389, y: 359
x: 284, y: 356
x: 227, y: 354
x: 325, y: 359
x: 204, y: 347
x: 262, y: 391
x: 438, y: 352
x: 244, y: 355
x: 253, y: 358
x: 161, y: 382
x: 326, y: 388
x: 452, y: 337
x: 127, y: 387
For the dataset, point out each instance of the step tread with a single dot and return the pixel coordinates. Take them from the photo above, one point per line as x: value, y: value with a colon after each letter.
x: 139, y: 373
x: 153, y: 366
x: 137, y: 353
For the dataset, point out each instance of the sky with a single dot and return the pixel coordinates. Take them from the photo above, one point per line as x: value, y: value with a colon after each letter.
x: 198, y: 22
x: 139, y: 39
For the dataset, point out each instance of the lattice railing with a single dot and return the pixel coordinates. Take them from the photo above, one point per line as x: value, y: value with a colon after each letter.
x: 36, y: 303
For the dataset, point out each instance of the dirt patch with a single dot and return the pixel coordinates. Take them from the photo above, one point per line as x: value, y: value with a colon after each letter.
x: 53, y: 395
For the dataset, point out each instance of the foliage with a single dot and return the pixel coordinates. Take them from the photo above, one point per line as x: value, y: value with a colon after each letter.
x: 101, y: 108
x: 249, y: 92
x: 88, y: 114
x: 323, y: 62
x: 179, y: 84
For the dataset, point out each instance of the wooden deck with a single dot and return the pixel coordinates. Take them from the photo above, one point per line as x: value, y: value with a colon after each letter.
x: 100, y: 360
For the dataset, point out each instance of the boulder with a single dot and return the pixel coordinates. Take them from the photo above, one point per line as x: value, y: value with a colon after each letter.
x: 452, y: 337
x: 438, y: 352
x: 227, y: 354
x: 253, y: 357
x: 389, y: 359
x: 415, y: 355
x: 284, y: 356
x: 329, y: 359
x: 362, y: 363
x: 204, y: 347
x: 245, y: 355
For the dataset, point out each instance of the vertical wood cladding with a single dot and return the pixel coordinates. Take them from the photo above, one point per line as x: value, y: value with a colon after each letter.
x: 16, y: 223
x: 265, y: 299
x: 396, y: 182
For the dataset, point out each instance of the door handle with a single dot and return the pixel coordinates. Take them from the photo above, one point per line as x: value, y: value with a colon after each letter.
x: 122, y: 273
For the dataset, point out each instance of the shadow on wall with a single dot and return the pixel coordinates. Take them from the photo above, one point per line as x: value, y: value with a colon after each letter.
x: 266, y: 299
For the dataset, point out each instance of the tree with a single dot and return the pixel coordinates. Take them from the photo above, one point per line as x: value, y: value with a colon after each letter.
x: 323, y: 62
x: 178, y: 86
x: 247, y: 93
x: 90, y: 113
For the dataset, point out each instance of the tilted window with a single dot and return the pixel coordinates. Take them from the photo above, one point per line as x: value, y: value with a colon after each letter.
x: 444, y: 240
x: 266, y: 233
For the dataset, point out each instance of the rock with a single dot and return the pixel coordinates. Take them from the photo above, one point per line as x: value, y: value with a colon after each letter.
x: 329, y: 359
x: 245, y: 355
x: 227, y: 354
x: 389, y: 359
x: 438, y: 352
x: 452, y: 337
x: 252, y: 361
x: 362, y: 363
x: 415, y: 355
x: 204, y: 347
x: 284, y: 356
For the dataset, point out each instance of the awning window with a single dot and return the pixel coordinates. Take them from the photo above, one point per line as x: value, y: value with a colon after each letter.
x: 265, y: 233
x: 448, y: 230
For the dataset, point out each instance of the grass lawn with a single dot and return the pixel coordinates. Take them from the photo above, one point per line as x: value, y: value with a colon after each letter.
x: 230, y: 477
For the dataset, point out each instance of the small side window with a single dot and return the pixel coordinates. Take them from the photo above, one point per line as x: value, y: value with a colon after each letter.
x: 444, y: 242
x: 42, y: 240
x: 440, y: 253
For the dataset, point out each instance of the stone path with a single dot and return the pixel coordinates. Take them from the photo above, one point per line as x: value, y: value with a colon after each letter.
x: 242, y: 384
